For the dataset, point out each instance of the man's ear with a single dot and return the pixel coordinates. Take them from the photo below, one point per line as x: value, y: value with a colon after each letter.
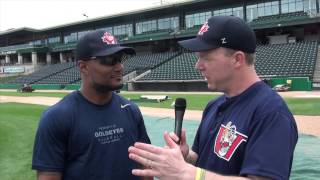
x: 83, y: 66
x: 239, y: 59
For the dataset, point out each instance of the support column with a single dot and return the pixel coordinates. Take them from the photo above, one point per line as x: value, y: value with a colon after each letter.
x: 34, y: 58
x: 7, y: 59
x: 62, y: 60
x: 20, y: 61
x: 48, y: 58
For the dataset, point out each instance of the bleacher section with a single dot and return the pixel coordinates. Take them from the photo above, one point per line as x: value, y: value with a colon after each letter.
x: 44, y: 72
x: 68, y: 76
x: 280, y: 60
x: 180, y: 68
x: 67, y: 73
x: 141, y: 63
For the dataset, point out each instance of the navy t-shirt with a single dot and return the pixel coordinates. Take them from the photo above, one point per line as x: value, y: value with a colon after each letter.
x: 86, y: 141
x: 253, y: 133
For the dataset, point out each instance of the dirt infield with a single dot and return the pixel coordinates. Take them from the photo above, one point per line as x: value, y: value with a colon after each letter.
x: 306, y: 124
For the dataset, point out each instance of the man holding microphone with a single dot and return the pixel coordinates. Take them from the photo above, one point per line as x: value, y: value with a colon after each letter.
x: 247, y: 133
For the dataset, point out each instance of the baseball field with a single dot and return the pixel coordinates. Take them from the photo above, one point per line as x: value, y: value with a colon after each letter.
x: 20, y: 112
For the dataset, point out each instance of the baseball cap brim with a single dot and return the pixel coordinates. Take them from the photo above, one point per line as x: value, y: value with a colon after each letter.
x: 114, y: 50
x: 197, y: 45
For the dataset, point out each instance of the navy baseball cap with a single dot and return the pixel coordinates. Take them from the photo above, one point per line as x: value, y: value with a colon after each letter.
x: 222, y: 31
x: 99, y: 43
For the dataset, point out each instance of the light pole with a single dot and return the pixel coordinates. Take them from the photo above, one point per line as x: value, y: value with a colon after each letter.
x: 85, y: 15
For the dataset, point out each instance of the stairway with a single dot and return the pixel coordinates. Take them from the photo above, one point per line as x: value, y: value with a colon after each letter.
x: 316, y: 74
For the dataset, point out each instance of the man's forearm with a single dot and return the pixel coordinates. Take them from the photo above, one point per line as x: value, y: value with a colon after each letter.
x: 191, y: 173
x: 49, y: 175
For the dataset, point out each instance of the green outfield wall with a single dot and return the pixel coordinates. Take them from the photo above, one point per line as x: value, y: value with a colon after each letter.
x: 296, y: 83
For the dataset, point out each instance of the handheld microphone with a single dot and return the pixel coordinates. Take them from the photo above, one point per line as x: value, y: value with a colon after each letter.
x: 179, y: 108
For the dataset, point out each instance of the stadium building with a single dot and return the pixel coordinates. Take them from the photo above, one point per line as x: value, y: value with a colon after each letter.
x: 287, y: 31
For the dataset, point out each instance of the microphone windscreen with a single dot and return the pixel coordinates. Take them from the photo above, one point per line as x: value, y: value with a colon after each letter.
x: 180, y: 103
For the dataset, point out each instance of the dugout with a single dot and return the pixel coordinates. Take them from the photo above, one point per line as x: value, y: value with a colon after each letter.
x: 296, y: 83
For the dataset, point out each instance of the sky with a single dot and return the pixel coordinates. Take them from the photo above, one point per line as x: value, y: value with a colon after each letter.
x: 39, y: 14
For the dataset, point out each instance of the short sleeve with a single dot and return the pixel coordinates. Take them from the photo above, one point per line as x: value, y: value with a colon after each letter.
x: 195, y: 146
x: 50, y: 145
x: 269, y: 150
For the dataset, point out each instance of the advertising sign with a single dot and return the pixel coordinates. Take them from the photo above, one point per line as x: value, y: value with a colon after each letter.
x: 13, y: 70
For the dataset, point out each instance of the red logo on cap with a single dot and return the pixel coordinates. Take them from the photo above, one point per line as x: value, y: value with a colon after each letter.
x: 108, y: 38
x: 205, y: 27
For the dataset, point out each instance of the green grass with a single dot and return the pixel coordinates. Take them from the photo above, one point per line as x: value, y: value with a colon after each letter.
x: 6, y: 79
x: 304, y: 106
x: 18, y: 124
x: 45, y: 94
x: 298, y: 106
x: 194, y: 101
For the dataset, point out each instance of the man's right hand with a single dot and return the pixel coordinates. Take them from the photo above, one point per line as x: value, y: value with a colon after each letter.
x: 183, y: 142
x: 188, y: 155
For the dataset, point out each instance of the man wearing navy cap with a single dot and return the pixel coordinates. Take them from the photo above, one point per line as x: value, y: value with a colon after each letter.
x: 86, y: 135
x: 247, y: 133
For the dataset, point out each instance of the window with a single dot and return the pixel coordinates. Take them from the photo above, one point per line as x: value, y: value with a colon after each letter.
x: 237, y: 11
x: 310, y: 6
x: 275, y: 7
x: 123, y: 30
x: 146, y: 26
x: 168, y: 23
x: 54, y: 39
x: 70, y: 38
x: 262, y: 9
x: 197, y: 19
x: 37, y: 42
x: 288, y: 6
x: 252, y: 12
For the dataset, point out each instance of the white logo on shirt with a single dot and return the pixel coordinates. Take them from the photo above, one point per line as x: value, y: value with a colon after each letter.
x: 109, y: 134
x: 123, y: 106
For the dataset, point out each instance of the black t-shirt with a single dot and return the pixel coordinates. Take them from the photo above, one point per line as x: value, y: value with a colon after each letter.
x: 87, y: 141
